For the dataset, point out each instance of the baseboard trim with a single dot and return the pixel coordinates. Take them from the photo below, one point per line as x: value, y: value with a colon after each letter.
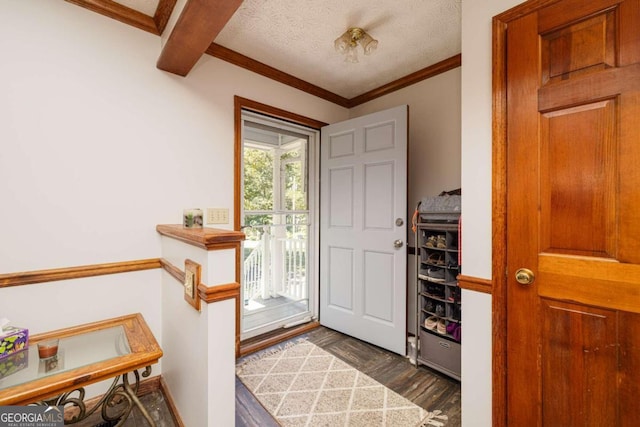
x: 171, y: 403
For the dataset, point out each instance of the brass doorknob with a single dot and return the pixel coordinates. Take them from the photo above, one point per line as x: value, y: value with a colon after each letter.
x: 525, y: 276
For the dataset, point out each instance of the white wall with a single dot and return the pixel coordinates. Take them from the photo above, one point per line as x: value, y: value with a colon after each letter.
x: 53, y: 305
x: 476, y: 204
x: 199, y: 360
x: 184, y: 342
x: 97, y: 146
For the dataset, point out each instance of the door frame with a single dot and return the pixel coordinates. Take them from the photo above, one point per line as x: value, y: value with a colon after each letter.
x: 499, y: 307
x: 245, y: 104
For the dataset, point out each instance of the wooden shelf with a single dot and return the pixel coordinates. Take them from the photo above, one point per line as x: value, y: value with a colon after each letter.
x: 205, y: 238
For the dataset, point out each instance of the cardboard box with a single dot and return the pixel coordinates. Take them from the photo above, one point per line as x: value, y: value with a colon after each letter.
x: 13, y: 339
x: 14, y: 363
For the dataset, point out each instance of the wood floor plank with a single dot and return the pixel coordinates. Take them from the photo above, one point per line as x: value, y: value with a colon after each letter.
x: 425, y: 387
x: 249, y: 412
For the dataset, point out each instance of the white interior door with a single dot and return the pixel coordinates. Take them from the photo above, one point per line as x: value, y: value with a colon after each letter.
x: 363, y: 199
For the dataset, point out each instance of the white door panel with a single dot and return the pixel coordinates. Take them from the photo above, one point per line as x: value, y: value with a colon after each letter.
x: 363, y: 193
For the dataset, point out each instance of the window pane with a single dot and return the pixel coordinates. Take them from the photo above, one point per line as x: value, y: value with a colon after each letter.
x: 258, y: 179
x: 294, y: 178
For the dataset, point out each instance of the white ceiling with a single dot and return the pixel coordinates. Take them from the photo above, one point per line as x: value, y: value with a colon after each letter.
x: 296, y: 37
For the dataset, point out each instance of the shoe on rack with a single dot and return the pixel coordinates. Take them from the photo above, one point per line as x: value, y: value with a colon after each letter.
x: 435, y: 290
x: 441, y: 242
x: 457, y: 333
x: 451, y: 327
x: 455, y: 292
x: 431, y: 242
x: 435, y: 274
x: 441, y: 326
x: 456, y: 312
x: 431, y: 323
x: 440, y: 310
x: 436, y: 259
x: 429, y: 306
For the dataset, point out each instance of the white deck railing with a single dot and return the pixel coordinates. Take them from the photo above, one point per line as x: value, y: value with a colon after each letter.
x: 259, y: 273
x: 294, y: 261
x: 254, y: 277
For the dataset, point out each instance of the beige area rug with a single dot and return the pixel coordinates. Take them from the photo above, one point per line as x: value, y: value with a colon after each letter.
x: 303, y: 385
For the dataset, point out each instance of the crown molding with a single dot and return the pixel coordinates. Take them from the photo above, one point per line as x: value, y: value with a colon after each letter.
x: 178, y: 60
x: 120, y: 13
x: 265, y: 70
x: 408, y: 80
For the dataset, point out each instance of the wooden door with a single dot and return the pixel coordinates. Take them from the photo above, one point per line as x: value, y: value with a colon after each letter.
x: 573, y: 214
x: 363, y: 205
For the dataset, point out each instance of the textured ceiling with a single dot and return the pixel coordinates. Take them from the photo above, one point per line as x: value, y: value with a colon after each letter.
x: 296, y: 37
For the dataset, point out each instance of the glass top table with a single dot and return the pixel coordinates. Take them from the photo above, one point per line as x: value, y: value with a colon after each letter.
x: 73, y: 352
x: 86, y: 354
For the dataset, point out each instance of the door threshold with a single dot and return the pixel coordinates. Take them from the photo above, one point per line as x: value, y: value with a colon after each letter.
x: 251, y: 345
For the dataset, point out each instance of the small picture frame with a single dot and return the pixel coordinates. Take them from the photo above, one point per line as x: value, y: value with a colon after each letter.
x: 192, y: 218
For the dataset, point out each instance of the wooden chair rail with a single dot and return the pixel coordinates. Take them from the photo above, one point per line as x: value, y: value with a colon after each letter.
x: 208, y: 294
x: 475, y: 284
x: 57, y: 274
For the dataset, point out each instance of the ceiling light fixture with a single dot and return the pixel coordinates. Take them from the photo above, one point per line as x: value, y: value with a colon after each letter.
x: 348, y: 42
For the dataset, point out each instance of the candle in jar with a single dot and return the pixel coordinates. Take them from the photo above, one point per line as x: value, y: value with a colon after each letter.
x: 47, y: 349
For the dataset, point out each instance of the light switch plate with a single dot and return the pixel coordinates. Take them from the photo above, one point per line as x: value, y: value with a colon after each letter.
x: 189, y: 278
x: 192, y: 272
x: 217, y: 216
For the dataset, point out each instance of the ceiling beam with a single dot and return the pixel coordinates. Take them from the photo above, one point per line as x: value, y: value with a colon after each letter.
x: 198, y: 25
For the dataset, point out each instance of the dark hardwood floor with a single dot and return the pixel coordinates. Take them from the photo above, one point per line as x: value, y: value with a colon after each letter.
x: 423, y: 386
